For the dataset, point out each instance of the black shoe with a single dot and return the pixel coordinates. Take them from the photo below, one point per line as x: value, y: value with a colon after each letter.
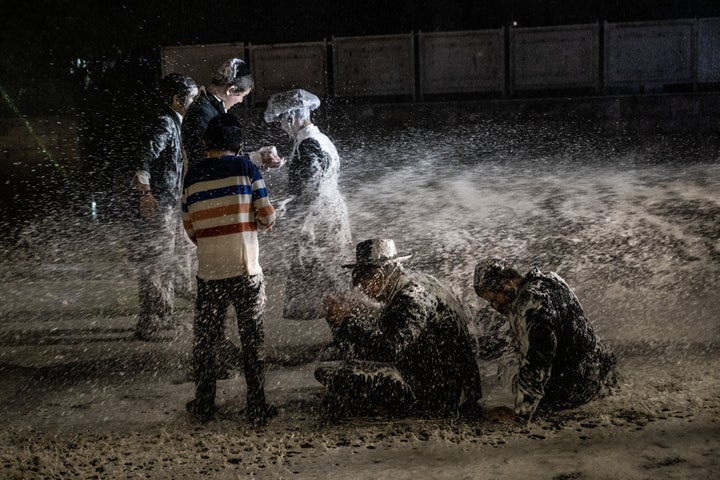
x: 259, y: 417
x: 201, y: 413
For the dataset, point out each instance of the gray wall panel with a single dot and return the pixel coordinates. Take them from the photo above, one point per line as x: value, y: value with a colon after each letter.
x: 554, y: 57
x: 374, y: 65
x: 649, y: 53
x: 282, y: 67
x: 708, y: 50
x: 472, y: 61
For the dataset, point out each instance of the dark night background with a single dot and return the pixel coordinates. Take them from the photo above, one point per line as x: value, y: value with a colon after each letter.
x: 97, y: 61
x: 59, y: 54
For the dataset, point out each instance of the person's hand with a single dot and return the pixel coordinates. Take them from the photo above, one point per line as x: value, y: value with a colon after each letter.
x: 148, y: 205
x: 270, y: 157
x: 336, y: 310
x: 501, y: 415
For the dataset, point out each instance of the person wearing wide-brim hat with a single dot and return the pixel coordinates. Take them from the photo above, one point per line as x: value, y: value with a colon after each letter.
x: 317, y: 218
x: 414, y: 354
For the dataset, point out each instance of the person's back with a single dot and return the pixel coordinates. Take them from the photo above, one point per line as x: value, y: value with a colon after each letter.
x: 225, y: 202
x: 204, y: 108
x: 581, y: 361
x: 217, y: 190
x: 436, y: 357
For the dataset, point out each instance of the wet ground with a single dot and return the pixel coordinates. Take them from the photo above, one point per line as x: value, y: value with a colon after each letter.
x: 630, y: 223
x: 115, y: 410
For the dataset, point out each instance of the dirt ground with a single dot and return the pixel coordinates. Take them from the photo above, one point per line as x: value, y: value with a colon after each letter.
x: 633, y: 227
x: 89, y: 402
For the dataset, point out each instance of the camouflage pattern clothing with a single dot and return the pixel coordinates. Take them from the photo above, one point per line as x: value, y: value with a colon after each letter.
x: 422, y: 332
x: 563, y: 363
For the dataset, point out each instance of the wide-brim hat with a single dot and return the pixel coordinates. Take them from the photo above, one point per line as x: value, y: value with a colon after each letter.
x: 376, y: 252
x: 284, y: 102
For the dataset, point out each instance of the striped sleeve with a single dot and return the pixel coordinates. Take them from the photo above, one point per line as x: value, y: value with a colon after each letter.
x: 264, y: 211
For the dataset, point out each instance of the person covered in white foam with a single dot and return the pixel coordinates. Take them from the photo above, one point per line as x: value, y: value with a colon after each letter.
x: 412, y: 353
x: 317, y: 215
x: 563, y: 363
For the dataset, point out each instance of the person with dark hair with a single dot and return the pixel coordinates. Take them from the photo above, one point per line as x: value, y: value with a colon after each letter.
x: 317, y: 216
x: 158, y: 183
x: 224, y: 204
x: 230, y: 84
x: 563, y: 363
x: 410, y: 354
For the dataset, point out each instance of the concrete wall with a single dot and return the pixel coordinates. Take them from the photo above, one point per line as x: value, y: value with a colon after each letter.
x: 555, y: 57
x: 374, y: 65
x: 460, y: 62
x: 612, y: 58
x: 708, y: 48
x: 648, y: 54
x: 277, y: 68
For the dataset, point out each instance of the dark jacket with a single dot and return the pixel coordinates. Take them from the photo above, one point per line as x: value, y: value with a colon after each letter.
x: 422, y: 330
x: 161, y: 156
x: 203, y: 109
x: 563, y: 363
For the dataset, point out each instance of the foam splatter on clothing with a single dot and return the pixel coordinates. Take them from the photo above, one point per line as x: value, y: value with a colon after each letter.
x: 318, y: 218
x: 563, y: 363
x: 422, y: 331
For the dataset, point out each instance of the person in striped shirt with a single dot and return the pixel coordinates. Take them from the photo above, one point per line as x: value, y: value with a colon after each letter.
x: 224, y: 204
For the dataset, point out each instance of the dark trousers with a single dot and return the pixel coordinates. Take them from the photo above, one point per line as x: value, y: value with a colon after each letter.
x: 247, y: 295
x: 153, y: 249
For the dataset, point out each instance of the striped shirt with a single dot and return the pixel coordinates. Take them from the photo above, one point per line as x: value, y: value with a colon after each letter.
x: 224, y: 203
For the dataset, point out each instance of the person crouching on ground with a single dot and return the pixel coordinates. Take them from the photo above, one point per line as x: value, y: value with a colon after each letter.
x: 224, y: 204
x: 563, y: 363
x: 416, y: 356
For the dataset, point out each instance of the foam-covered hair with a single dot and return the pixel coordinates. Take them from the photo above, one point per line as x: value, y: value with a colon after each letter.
x: 297, y: 102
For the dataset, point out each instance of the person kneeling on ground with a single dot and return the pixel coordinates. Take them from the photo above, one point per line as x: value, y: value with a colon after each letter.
x: 224, y: 203
x: 563, y: 363
x: 415, y: 357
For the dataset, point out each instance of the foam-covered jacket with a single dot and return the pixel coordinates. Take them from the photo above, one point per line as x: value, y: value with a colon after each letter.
x: 422, y: 330
x: 563, y: 363
x: 160, y: 155
x: 319, y: 222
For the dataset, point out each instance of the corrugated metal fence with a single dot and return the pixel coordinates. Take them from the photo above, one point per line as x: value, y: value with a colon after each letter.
x: 509, y: 62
